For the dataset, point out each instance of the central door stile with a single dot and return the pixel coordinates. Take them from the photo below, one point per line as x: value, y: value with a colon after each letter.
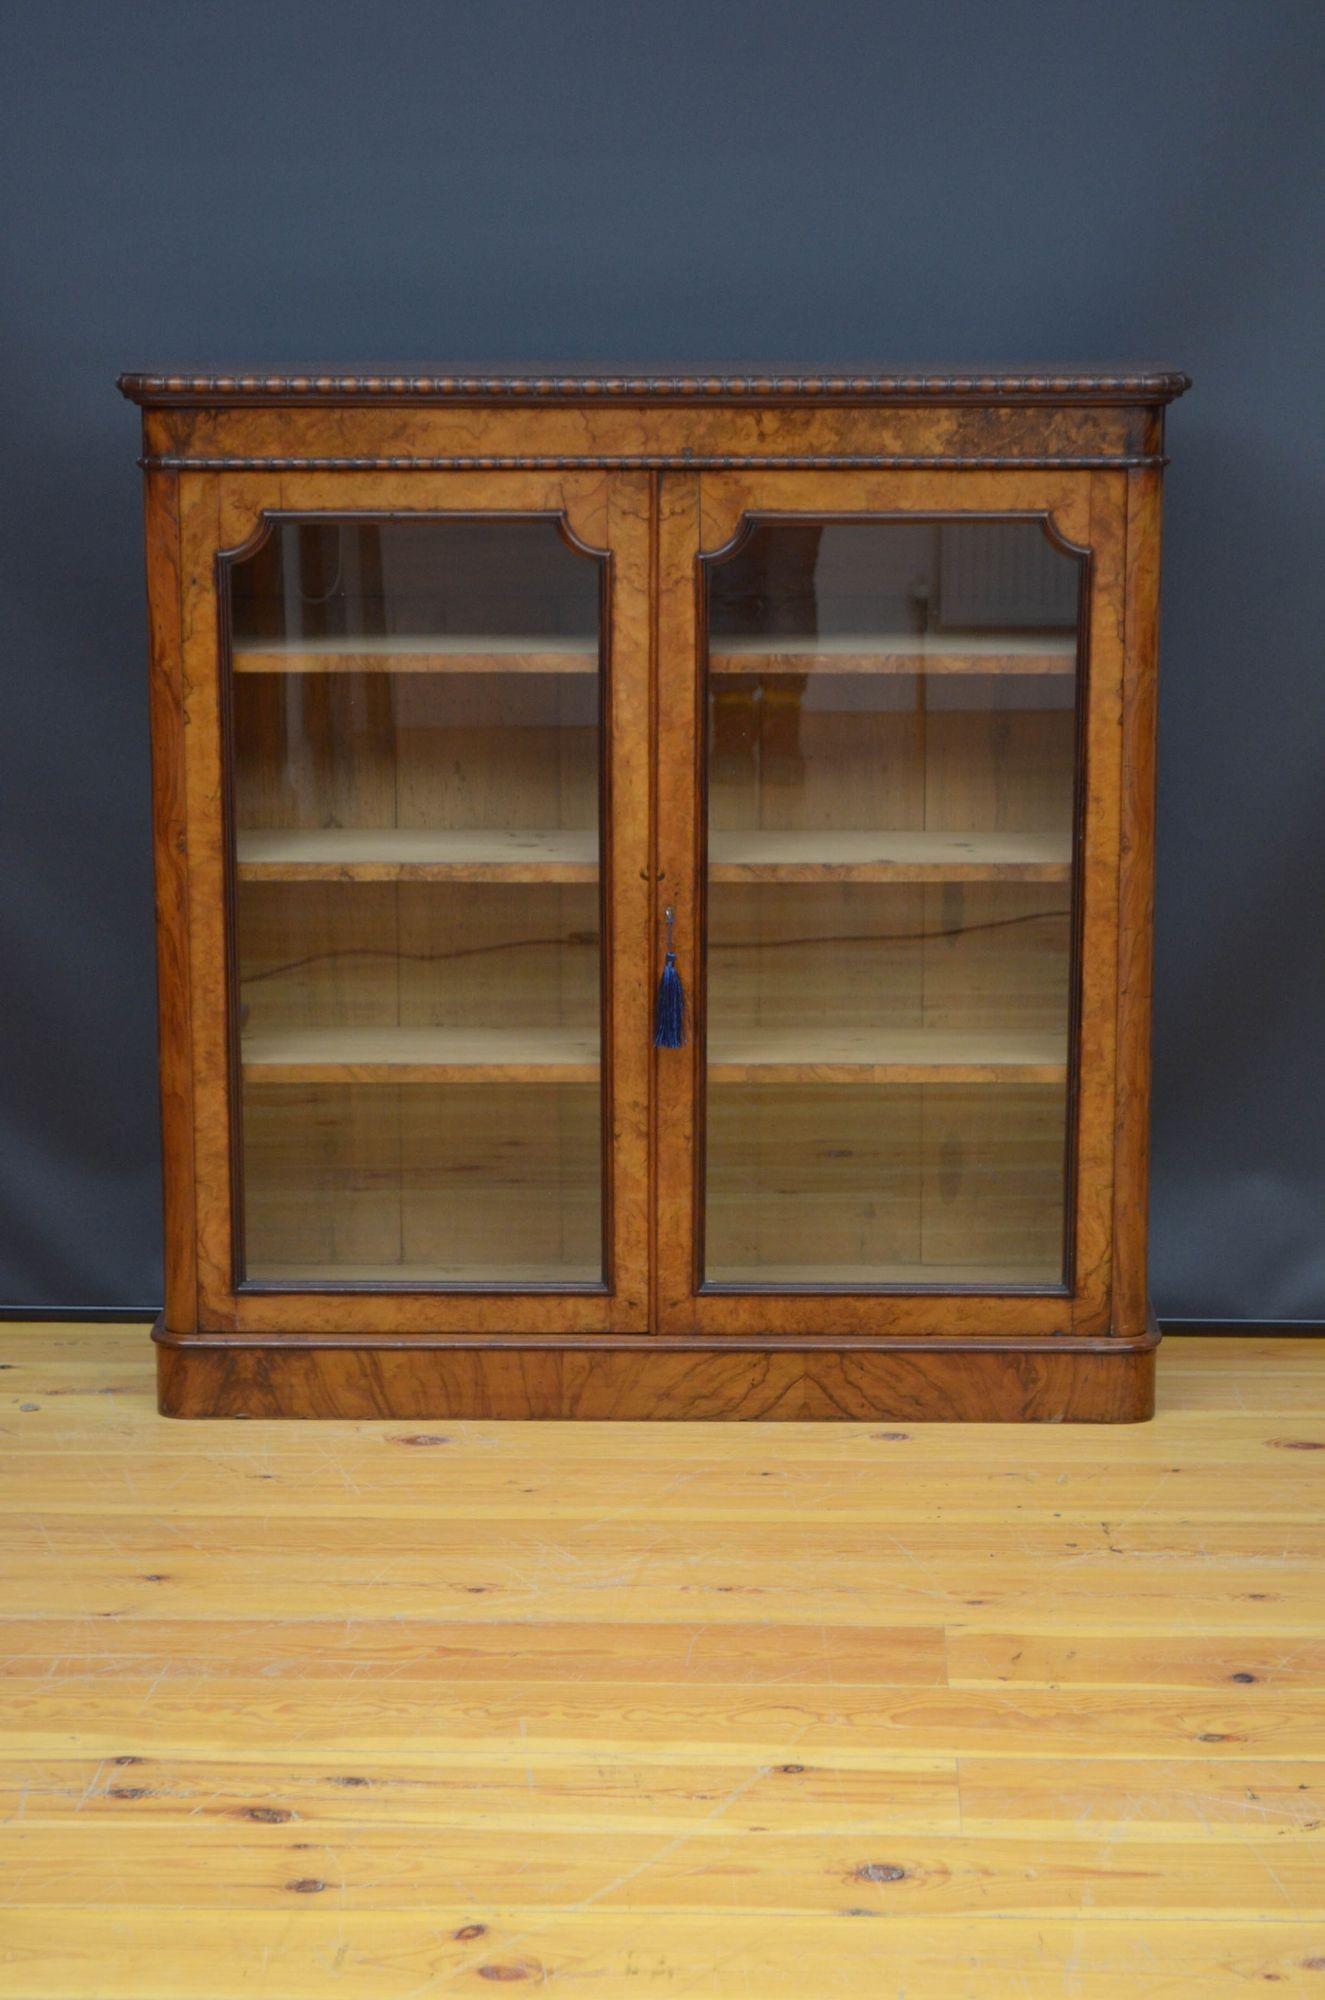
x: 678, y: 1072
x: 627, y: 852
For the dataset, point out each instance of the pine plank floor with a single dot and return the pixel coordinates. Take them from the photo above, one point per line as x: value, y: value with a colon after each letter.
x: 784, y: 1712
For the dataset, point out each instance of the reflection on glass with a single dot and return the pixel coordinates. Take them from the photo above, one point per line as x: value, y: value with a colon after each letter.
x: 891, y: 784
x: 416, y: 768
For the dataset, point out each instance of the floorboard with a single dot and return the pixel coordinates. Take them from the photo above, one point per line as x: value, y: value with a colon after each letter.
x: 378, y: 1711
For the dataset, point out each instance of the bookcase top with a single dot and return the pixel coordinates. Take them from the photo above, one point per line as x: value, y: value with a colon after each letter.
x: 1139, y: 385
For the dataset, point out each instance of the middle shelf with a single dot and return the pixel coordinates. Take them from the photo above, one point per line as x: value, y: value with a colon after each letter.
x: 397, y: 854
x: 417, y: 854
x: 551, y: 1054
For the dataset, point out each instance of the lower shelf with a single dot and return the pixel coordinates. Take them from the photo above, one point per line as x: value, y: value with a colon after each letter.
x: 885, y: 1055
x: 897, y: 1277
x: 754, y: 1277
x: 620, y: 1377
x: 426, y: 1277
x: 567, y: 1055
x: 421, y: 1055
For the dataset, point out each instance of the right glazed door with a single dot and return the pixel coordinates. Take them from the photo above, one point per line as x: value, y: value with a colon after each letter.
x: 888, y: 743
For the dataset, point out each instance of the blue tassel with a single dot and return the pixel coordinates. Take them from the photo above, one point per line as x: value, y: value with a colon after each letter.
x: 669, y: 1020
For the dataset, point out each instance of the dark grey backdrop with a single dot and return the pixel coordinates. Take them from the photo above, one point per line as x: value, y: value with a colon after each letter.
x: 350, y: 182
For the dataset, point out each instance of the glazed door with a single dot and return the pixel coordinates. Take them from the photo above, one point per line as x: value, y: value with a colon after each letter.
x: 418, y: 797
x: 888, y: 756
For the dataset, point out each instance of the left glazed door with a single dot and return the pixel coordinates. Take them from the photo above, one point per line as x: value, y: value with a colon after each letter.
x: 417, y: 824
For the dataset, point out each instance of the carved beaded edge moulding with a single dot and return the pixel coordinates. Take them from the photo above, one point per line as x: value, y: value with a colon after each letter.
x: 1160, y: 386
x: 660, y: 471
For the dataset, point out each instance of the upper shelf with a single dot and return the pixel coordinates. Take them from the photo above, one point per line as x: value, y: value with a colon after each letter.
x: 1053, y: 652
x: 423, y: 653
x: 1049, y: 652
x: 564, y: 855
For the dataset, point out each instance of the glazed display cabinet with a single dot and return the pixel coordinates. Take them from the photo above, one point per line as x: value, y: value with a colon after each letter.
x: 654, y: 893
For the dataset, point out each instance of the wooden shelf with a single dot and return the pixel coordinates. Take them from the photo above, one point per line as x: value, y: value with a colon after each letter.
x: 1049, y: 652
x: 757, y: 1277
x: 769, y: 856
x: 422, y: 1276
x: 905, y: 1277
x: 398, y: 854
x: 562, y: 1055
x: 884, y: 1055
x: 404, y: 653
x: 420, y: 1055
x: 547, y: 653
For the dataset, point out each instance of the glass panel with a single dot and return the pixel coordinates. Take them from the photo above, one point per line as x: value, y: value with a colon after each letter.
x: 417, y: 756
x: 892, y: 758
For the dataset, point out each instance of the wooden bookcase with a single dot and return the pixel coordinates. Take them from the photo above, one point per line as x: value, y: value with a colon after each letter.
x: 459, y: 686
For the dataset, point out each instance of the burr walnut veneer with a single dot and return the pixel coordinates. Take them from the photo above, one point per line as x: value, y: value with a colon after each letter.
x: 472, y: 697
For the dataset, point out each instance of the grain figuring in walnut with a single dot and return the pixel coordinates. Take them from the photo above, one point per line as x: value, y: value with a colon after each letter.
x: 656, y: 470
